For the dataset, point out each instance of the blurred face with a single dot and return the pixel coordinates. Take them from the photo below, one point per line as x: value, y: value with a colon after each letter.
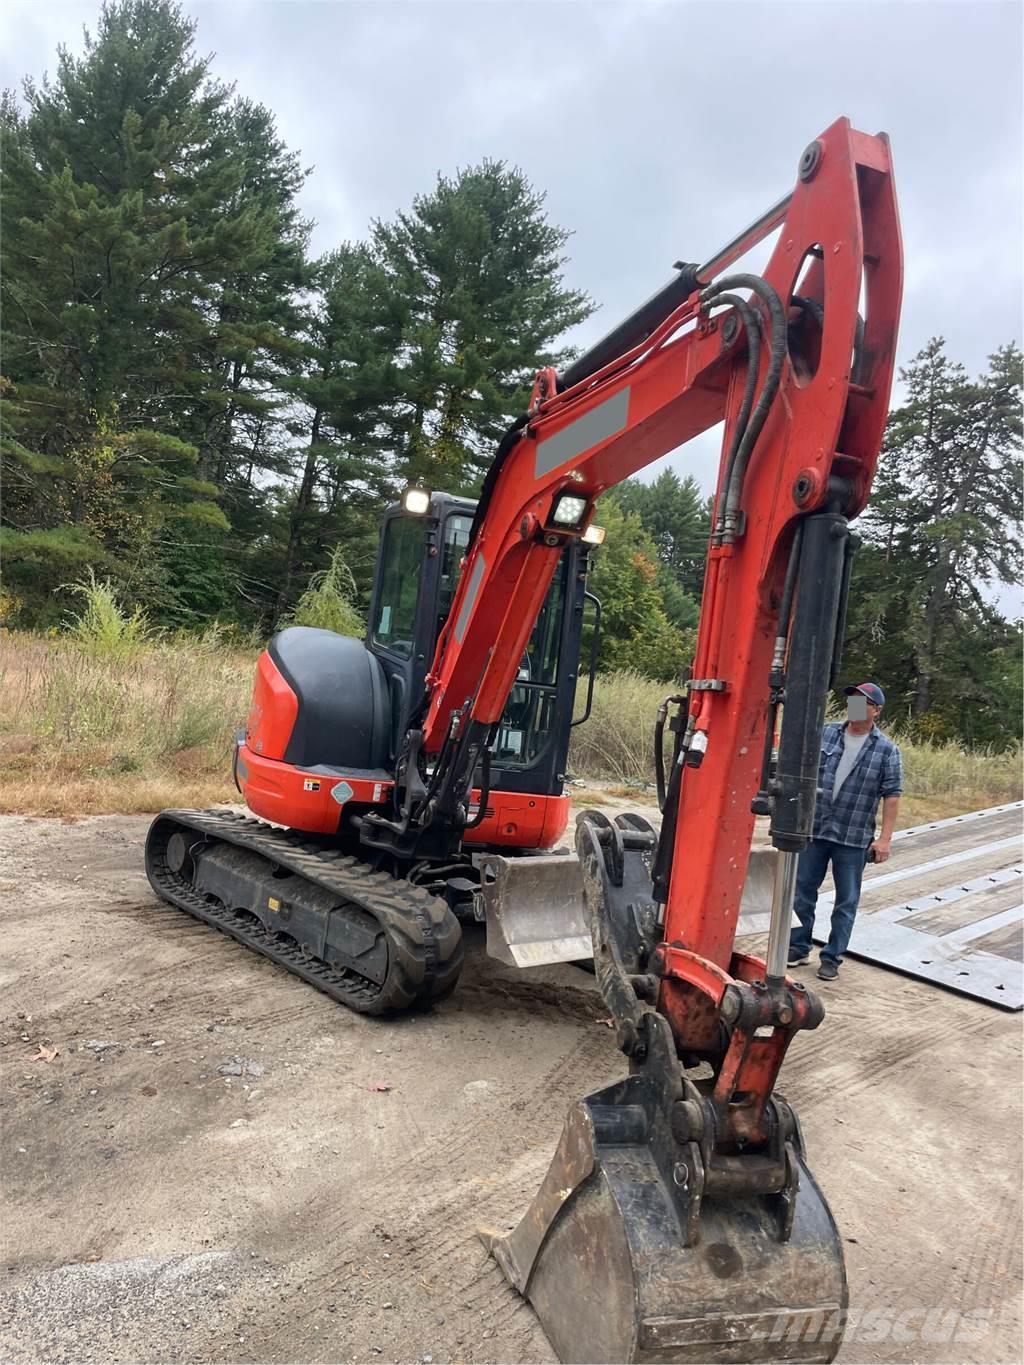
x: 859, y: 708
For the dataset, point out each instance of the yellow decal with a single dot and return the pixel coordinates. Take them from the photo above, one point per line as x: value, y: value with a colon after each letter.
x: 273, y: 903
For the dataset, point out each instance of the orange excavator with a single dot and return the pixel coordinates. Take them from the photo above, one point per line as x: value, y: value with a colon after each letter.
x: 414, y: 781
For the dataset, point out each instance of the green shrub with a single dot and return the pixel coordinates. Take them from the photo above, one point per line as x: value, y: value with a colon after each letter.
x: 199, y: 722
x: 329, y: 601
x: 103, y: 628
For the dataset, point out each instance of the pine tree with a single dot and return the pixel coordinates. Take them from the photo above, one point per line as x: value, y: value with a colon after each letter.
x: 102, y: 271
x: 476, y: 270
x: 153, y: 254
x: 250, y: 350
x: 346, y: 386
x: 943, y: 525
x: 253, y: 314
x: 678, y: 519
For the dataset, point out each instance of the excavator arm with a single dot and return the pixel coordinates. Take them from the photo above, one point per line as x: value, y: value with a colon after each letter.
x: 684, y: 1204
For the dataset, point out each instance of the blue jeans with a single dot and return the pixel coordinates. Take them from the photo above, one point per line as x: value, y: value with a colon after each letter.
x: 847, y: 871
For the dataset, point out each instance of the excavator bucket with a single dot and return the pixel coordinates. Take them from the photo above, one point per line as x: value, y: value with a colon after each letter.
x: 535, y: 910
x: 627, y: 1254
x: 650, y: 1239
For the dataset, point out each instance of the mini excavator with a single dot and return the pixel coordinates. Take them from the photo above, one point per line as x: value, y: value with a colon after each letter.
x: 415, y: 781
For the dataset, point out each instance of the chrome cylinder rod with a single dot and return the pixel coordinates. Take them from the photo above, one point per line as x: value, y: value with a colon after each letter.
x: 782, y: 914
x: 743, y: 241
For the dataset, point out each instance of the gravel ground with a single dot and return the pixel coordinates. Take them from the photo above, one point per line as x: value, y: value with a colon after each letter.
x: 218, y: 1163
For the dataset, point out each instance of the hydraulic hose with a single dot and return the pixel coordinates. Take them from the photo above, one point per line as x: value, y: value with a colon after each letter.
x: 789, y: 586
x: 776, y: 676
x: 662, y: 869
x: 506, y: 445
x: 812, y: 306
x: 817, y: 312
x: 750, y: 319
x: 811, y: 648
x: 634, y: 329
x: 659, y: 750
x: 777, y: 354
x: 485, y: 791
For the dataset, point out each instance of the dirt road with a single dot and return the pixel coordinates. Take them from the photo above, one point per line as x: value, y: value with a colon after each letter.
x: 221, y: 1164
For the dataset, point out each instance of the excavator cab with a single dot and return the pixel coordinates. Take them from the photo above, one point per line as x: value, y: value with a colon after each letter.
x: 417, y: 573
x: 329, y: 712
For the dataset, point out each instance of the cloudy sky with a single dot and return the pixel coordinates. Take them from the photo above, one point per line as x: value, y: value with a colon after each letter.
x: 657, y: 130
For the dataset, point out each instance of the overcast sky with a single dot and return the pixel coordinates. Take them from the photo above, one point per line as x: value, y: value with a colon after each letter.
x: 657, y: 130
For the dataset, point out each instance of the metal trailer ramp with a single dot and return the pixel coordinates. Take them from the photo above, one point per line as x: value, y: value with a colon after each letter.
x: 947, y: 907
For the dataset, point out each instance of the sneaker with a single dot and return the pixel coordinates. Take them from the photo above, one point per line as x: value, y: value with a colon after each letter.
x: 797, y: 959
x: 829, y: 970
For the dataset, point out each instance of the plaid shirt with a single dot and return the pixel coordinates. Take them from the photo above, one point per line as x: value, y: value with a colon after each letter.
x: 878, y: 771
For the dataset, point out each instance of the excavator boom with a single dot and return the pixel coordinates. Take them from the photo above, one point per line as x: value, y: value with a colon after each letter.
x: 679, y: 1199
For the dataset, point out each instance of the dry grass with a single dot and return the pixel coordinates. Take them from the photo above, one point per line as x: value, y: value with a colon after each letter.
x: 616, y: 745
x: 86, y: 734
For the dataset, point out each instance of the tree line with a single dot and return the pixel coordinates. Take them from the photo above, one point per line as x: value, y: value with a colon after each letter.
x: 201, y: 410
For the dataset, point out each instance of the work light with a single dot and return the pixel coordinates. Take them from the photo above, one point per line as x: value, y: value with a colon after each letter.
x: 416, y: 501
x: 569, y: 510
x: 593, y: 535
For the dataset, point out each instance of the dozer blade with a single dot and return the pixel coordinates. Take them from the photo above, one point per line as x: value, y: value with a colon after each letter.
x: 756, y: 901
x: 619, y: 1267
x: 536, y: 913
x: 534, y: 909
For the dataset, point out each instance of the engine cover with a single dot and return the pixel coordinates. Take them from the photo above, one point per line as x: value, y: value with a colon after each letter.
x: 319, y: 699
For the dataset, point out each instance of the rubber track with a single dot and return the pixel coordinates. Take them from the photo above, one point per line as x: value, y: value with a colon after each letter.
x: 424, y: 937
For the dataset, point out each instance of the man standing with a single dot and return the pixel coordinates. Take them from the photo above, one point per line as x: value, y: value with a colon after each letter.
x: 859, y: 767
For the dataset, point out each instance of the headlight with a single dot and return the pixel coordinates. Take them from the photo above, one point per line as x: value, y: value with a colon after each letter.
x: 569, y: 510
x: 416, y: 501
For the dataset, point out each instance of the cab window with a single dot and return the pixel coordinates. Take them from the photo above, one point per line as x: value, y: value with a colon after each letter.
x: 401, y: 562
x: 527, y: 724
x: 456, y: 541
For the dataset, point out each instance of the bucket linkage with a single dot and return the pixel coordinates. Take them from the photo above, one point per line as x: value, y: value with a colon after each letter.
x: 654, y: 1237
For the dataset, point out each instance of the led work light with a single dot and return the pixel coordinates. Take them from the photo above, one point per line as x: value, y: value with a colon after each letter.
x: 569, y: 510
x: 416, y: 501
x: 593, y: 535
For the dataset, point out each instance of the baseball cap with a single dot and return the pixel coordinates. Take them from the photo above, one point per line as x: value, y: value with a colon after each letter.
x: 870, y: 690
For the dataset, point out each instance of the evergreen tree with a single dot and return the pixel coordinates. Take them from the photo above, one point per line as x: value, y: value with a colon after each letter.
x: 636, y: 631
x: 476, y: 270
x: 941, y: 527
x: 678, y: 520
x: 346, y: 385
x: 105, y: 177
x: 151, y: 255
x: 250, y: 352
